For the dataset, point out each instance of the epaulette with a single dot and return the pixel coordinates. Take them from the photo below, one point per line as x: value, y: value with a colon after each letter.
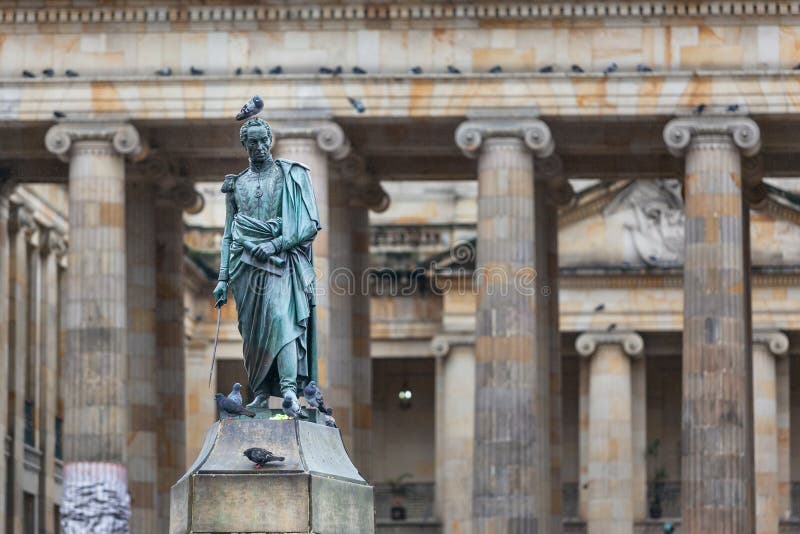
x: 230, y: 181
x: 292, y: 162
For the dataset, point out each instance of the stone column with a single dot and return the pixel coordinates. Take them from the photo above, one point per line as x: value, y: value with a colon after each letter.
x: 96, y: 363
x: 362, y: 362
x: 53, y: 247
x: 558, y: 192
x: 455, y: 422
x: 610, y: 442
x: 6, y: 189
x: 512, y: 486
x: 142, y: 396
x: 22, y: 226
x: 173, y: 197
x: 310, y: 142
x: 717, y: 463
x: 771, y: 448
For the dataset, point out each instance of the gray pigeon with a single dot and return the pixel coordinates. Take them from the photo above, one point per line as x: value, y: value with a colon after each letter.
x: 314, y: 398
x: 235, y: 395
x: 251, y: 108
x: 291, y: 406
x: 261, y: 457
x: 229, y: 408
x: 330, y: 421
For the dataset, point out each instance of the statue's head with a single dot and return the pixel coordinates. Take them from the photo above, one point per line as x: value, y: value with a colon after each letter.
x: 256, y: 137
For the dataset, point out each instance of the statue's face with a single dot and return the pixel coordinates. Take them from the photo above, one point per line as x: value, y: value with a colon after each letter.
x: 257, y: 144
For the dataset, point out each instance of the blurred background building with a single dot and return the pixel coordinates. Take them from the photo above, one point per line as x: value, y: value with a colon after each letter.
x: 450, y: 143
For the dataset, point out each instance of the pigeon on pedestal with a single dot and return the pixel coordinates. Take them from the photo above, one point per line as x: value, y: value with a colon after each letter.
x: 261, y: 457
x: 235, y: 395
x: 314, y: 398
x: 230, y: 408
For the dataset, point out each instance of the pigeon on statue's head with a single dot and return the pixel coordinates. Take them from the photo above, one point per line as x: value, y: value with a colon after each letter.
x: 251, y: 108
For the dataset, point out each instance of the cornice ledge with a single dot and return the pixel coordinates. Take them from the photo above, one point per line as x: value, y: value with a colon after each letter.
x: 776, y: 341
x: 744, y: 132
x: 471, y: 134
x: 632, y: 343
x: 123, y: 137
x: 576, y: 9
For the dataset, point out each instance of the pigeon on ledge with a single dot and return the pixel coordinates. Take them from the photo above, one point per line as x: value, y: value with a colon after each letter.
x: 291, y: 406
x: 235, y: 395
x: 314, y: 398
x: 251, y: 108
x: 230, y: 408
x: 261, y: 457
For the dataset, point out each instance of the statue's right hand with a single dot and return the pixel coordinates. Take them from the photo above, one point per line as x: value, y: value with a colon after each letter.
x: 220, y: 294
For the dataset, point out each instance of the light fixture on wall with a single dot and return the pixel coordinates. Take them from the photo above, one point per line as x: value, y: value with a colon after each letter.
x: 404, y: 396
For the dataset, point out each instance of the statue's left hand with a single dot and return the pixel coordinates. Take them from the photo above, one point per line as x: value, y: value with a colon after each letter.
x: 264, y: 251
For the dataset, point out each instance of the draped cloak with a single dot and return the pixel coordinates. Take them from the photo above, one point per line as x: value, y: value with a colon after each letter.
x: 276, y: 306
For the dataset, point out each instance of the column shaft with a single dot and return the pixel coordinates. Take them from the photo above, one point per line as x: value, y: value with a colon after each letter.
x: 639, y: 436
x: 782, y: 380
x: 48, y: 380
x: 547, y: 234
x: 511, y: 485
x: 170, y: 361
x: 455, y: 379
x: 765, y: 439
x: 583, y: 438
x: 4, y: 347
x: 610, y: 477
x: 96, y: 363
x: 717, y: 470
x: 18, y: 345
x: 362, y: 363
x: 341, y: 303
x: 142, y: 397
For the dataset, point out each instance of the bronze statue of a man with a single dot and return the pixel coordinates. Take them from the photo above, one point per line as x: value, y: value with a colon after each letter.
x: 266, y: 259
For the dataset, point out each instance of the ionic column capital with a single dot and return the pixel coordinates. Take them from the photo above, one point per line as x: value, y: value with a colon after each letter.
x: 776, y: 341
x: 744, y: 132
x: 366, y: 191
x: 329, y: 136
x: 52, y: 241
x: 550, y: 170
x: 7, y: 186
x: 21, y: 218
x: 441, y: 344
x: 179, y: 193
x: 123, y: 138
x: 631, y: 342
x: 471, y: 134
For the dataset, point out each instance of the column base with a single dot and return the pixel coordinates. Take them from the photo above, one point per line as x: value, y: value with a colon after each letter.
x: 315, y: 489
x: 95, y: 498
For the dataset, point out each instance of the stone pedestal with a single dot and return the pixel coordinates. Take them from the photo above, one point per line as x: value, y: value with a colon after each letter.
x: 315, y: 489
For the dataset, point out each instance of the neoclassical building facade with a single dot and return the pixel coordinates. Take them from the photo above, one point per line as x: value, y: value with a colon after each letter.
x: 601, y: 332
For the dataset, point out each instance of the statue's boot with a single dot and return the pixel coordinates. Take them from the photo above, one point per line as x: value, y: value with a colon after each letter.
x: 261, y: 401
